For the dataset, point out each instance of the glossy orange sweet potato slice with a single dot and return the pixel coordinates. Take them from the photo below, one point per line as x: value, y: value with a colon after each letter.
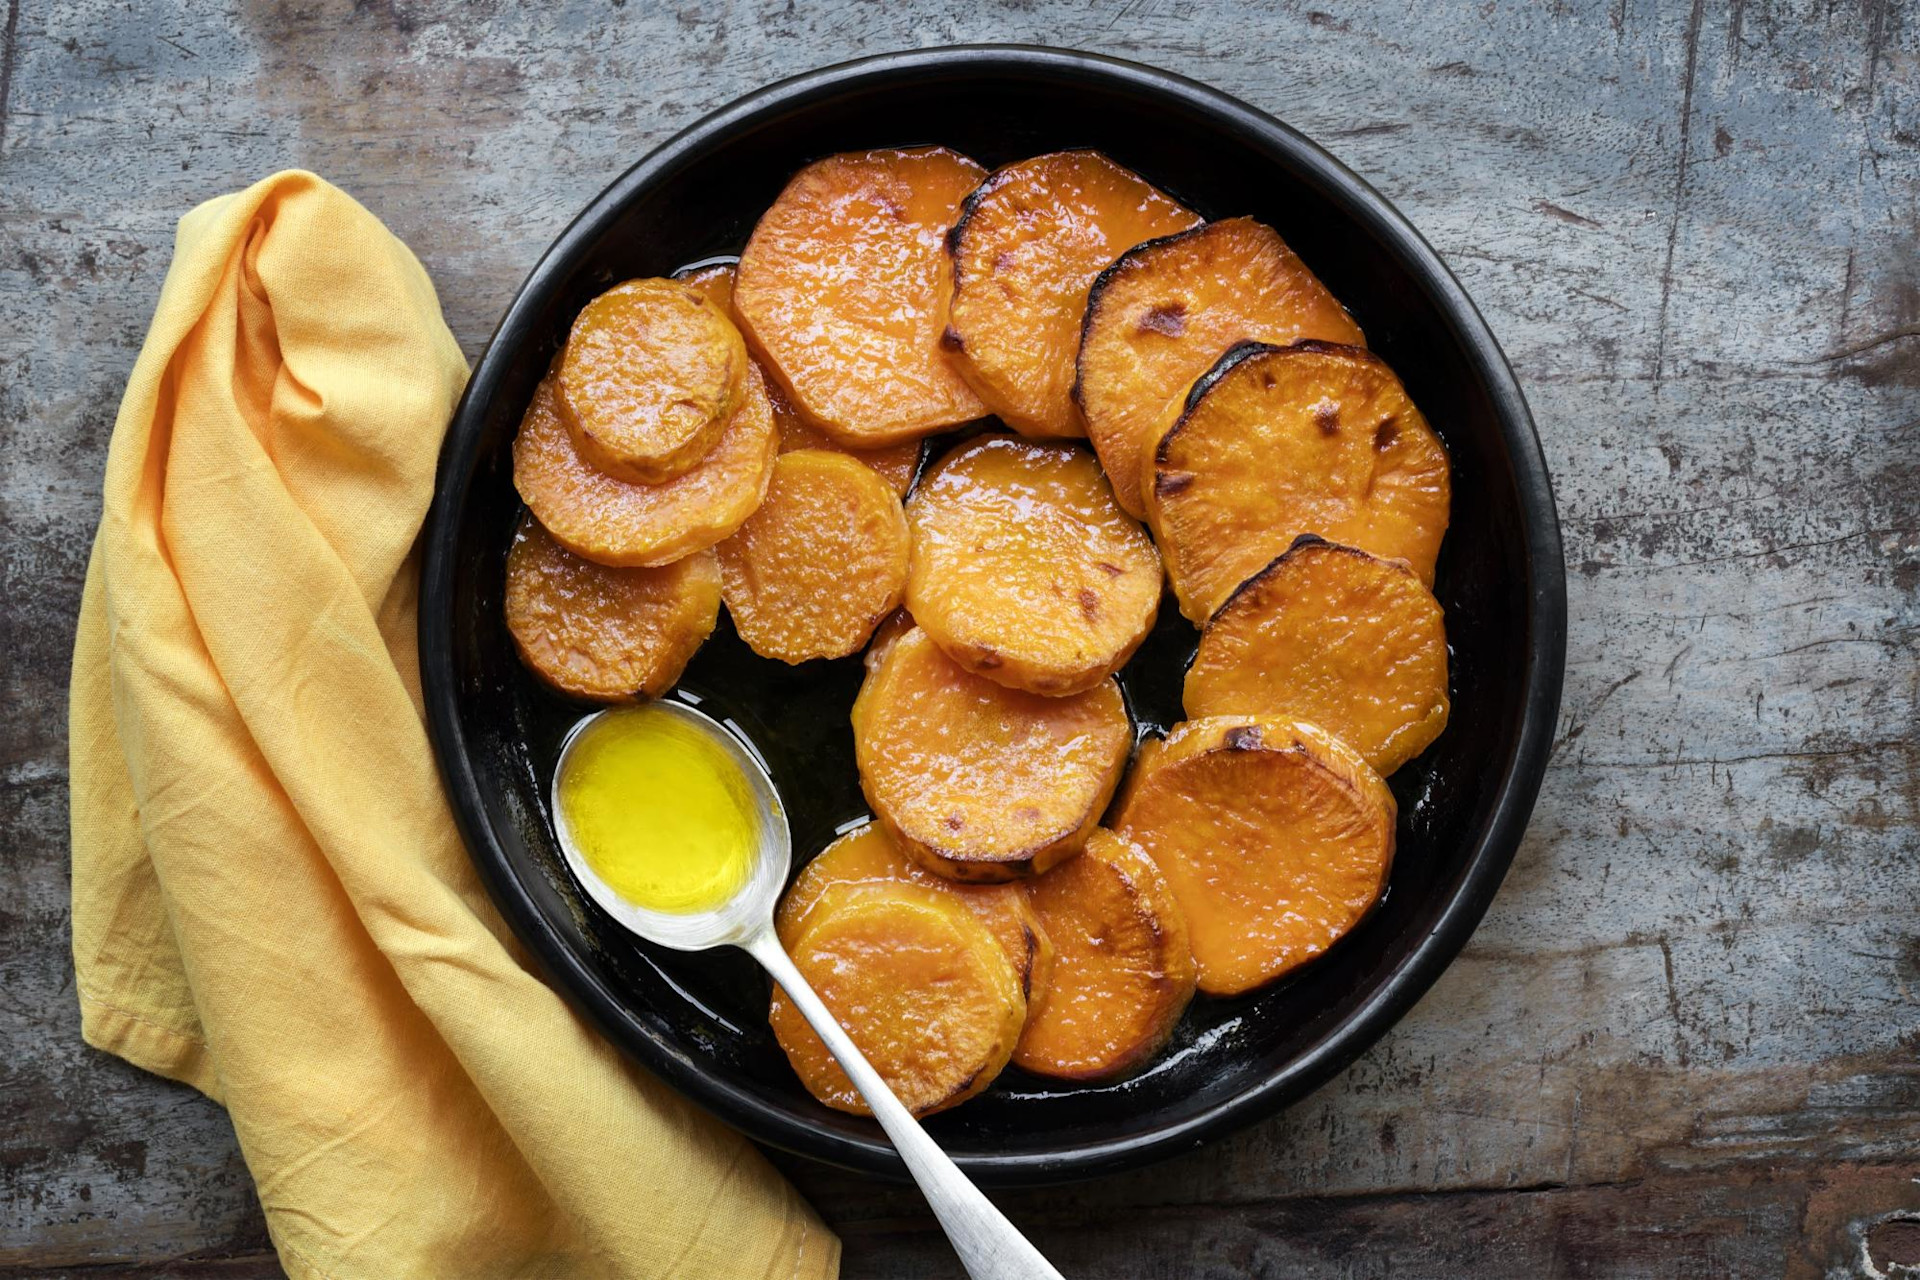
x: 616, y: 523
x: 977, y: 781
x: 1123, y: 973
x: 651, y: 373
x: 842, y: 292
x: 820, y: 563
x: 1275, y: 837
x: 1336, y: 637
x: 1030, y: 239
x: 611, y: 635
x: 917, y: 982
x: 869, y: 856
x: 1280, y: 441
x: 896, y: 463
x: 1025, y: 570
x: 1160, y: 316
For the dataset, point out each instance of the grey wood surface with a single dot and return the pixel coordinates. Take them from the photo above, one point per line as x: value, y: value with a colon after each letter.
x: 1687, y: 1038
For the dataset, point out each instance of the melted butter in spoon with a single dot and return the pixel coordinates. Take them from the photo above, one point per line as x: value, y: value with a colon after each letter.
x: 658, y: 810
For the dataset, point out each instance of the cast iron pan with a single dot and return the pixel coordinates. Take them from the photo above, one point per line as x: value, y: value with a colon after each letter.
x: 699, y: 1021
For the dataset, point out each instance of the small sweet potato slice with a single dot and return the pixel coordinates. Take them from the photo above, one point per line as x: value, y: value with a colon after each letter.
x: 1162, y: 314
x: 651, y: 373
x: 869, y: 856
x: 896, y: 463
x: 1123, y: 973
x: 917, y: 982
x: 820, y: 563
x: 1030, y: 239
x: 610, y: 635
x: 842, y: 293
x: 615, y: 523
x: 1280, y: 441
x: 977, y: 781
x: 1336, y: 637
x: 1025, y: 570
x: 1275, y: 837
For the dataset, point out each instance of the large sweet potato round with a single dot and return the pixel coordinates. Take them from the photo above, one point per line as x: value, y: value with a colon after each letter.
x: 1160, y: 316
x: 651, y: 373
x: 1280, y: 441
x: 842, y: 292
x: 1030, y: 239
x: 869, y: 856
x: 616, y: 523
x: 977, y: 781
x: 1025, y: 570
x: 611, y: 635
x: 1336, y: 637
x: 820, y: 563
x: 1123, y: 973
x: 1275, y: 837
x: 919, y: 985
x: 896, y: 463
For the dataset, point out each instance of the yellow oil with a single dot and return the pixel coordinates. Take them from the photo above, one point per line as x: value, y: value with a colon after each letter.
x: 659, y: 810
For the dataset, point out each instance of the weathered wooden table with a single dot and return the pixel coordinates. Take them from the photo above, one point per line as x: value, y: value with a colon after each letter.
x: 1686, y: 1041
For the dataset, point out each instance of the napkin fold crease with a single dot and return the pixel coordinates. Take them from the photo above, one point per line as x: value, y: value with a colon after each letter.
x: 270, y: 901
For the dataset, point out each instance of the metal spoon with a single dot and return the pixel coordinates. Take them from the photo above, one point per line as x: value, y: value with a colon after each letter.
x: 990, y: 1247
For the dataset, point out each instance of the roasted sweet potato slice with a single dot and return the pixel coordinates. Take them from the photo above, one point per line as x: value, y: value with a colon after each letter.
x: 651, y: 373
x: 1025, y: 570
x: 820, y: 563
x: 896, y: 463
x: 1280, y: 441
x: 842, y: 292
x: 1336, y: 637
x: 977, y: 781
x: 616, y: 523
x: 1164, y: 312
x: 919, y: 984
x: 1275, y: 837
x: 611, y: 635
x: 1123, y: 973
x: 869, y: 856
x: 1030, y: 239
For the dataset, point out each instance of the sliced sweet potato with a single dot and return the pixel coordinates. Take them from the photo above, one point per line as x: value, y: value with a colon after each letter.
x: 1280, y: 441
x: 1024, y: 569
x: 917, y: 982
x: 823, y: 560
x: 869, y: 856
x: 1162, y: 314
x: 615, y: 523
x: 977, y: 781
x: 891, y: 628
x: 1030, y: 239
x: 1336, y: 637
x: 651, y: 373
x: 611, y: 635
x: 896, y: 463
x: 1123, y: 973
x: 1275, y: 837
x: 842, y: 293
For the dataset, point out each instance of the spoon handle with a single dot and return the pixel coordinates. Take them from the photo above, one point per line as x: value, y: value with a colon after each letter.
x: 990, y: 1247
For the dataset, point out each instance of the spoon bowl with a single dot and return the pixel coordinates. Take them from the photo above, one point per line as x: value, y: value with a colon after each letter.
x: 750, y: 908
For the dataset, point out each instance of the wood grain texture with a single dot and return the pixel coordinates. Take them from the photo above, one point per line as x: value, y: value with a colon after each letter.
x: 1687, y: 1038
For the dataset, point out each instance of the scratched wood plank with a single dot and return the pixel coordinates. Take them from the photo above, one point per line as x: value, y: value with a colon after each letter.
x: 1687, y: 1037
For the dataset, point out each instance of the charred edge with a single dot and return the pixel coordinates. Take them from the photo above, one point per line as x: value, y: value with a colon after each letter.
x: 1301, y: 543
x: 950, y: 340
x: 1243, y: 737
x: 1230, y: 359
x: 1096, y: 293
x: 1320, y: 347
x: 1168, y: 483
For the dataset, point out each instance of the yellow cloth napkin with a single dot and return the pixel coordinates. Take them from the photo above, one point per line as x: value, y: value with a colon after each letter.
x: 269, y: 898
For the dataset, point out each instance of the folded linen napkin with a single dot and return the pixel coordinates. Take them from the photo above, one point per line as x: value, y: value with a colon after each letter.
x: 270, y: 901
